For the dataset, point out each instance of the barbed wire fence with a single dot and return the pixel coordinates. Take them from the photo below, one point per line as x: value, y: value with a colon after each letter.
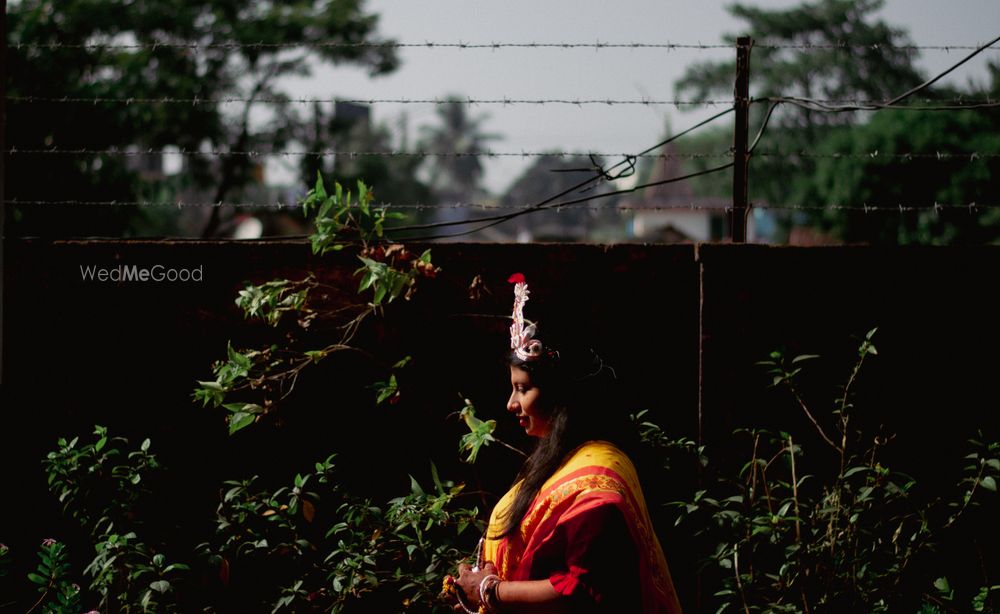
x: 736, y: 158
x: 575, y: 197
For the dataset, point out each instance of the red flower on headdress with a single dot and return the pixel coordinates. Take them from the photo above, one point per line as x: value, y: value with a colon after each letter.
x: 516, y: 278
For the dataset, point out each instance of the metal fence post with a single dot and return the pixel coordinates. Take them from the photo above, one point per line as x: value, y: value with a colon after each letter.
x: 741, y: 159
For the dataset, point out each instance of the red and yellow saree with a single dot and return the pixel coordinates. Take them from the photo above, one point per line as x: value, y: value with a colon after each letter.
x: 589, y: 533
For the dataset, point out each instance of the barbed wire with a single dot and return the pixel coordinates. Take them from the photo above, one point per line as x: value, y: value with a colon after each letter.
x: 601, y: 173
x: 940, y: 155
x: 129, y: 100
x: 871, y: 105
x: 970, y: 156
x: 873, y: 46
x: 970, y: 207
x: 893, y: 103
x: 355, y: 154
x: 597, y: 45
x: 818, y: 103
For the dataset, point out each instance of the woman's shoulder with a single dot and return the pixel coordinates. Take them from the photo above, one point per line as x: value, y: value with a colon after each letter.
x: 598, y: 451
x: 598, y: 455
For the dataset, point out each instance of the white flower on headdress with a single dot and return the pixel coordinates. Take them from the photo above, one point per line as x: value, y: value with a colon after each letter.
x: 522, y: 340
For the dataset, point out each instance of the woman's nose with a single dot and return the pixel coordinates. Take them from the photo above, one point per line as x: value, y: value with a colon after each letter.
x: 511, y: 403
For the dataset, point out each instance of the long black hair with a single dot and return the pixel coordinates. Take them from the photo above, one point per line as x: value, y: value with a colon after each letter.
x: 578, y: 395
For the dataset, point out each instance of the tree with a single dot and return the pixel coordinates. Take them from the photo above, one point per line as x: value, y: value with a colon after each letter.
x: 204, y: 50
x: 873, y: 163
x: 837, y: 50
x: 551, y: 175
x: 455, y: 168
x: 458, y: 143
x: 349, y: 128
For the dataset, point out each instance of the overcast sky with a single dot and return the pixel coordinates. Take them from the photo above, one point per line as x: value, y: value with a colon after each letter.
x: 584, y: 73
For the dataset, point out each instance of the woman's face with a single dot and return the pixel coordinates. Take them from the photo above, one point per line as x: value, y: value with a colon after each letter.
x: 525, y: 405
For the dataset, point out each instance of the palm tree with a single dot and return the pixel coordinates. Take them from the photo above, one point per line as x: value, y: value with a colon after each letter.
x: 457, y: 144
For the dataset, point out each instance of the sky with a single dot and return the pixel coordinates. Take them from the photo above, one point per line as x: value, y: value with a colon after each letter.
x: 588, y: 73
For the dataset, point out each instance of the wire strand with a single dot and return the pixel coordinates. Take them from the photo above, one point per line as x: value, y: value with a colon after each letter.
x: 967, y: 156
x: 822, y: 104
x: 575, y: 204
x: 819, y: 105
x: 603, y: 173
x: 495, y: 220
x: 597, y: 45
x: 353, y: 154
x: 130, y: 100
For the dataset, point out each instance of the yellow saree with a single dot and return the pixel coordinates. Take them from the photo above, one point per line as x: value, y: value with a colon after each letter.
x: 596, y: 479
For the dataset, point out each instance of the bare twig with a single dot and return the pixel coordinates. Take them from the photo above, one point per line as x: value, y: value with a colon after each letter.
x: 739, y: 583
x: 809, y: 415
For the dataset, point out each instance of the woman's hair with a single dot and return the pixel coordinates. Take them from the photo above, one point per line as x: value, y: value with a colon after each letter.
x: 577, y: 395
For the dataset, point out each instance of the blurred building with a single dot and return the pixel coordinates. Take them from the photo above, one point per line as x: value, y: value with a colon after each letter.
x: 671, y: 212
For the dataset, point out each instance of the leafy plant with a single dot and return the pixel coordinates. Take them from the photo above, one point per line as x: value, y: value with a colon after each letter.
x: 59, y: 594
x: 389, y: 271
x: 101, y: 486
x: 326, y: 549
x: 852, y: 535
x: 98, y: 477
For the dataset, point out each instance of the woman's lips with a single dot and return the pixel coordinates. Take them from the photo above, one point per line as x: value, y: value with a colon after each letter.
x: 523, y: 421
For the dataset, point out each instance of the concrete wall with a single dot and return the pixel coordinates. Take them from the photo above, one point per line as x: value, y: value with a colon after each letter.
x: 683, y: 326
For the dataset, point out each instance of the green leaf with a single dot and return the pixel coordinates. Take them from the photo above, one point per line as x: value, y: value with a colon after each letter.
x: 240, y: 420
x: 804, y: 357
x: 315, y: 355
x: 415, y: 486
x: 234, y: 356
x: 989, y: 483
x: 437, y: 479
x: 178, y: 567
x: 161, y: 586
x: 37, y: 579
x: 942, y: 584
x: 854, y: 470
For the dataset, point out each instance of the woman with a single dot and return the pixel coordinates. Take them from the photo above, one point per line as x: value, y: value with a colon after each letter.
x: 573, y: 533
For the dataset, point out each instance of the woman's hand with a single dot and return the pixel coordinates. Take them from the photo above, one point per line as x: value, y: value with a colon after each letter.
x: 468, y: 583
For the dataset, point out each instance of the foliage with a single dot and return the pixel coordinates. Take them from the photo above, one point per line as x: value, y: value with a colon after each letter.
x: 388, y: 272
x: 325, y: 549
x: 102, y: 487
x: 97, y: 483
x: 458, y: 140
x: 242, y: 51
x: 321, y: 547
x: 838, y: 50
x: 831, y: 49
x: 550, y: 175
x: 398, y: 176
x: 907, y: 158
x: 784, y: 535
x: 59, y: 594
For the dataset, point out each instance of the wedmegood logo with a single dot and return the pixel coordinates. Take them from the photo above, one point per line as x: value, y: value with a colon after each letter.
x: 135, y: 273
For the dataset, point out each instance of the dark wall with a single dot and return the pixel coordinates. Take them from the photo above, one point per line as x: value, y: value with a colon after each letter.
x: 682, y: 325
